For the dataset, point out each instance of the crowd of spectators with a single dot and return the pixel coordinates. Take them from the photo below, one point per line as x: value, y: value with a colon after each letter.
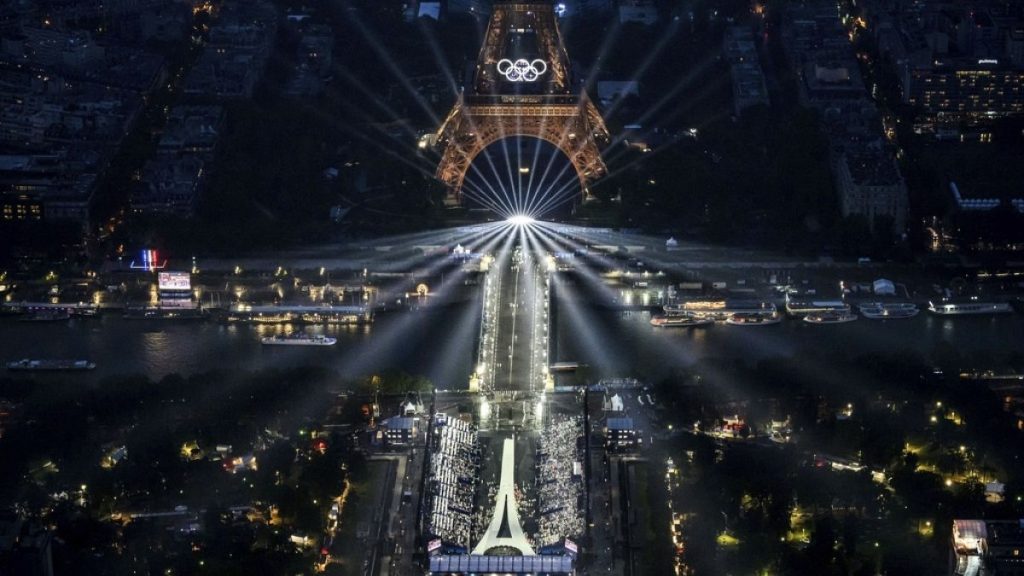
x: 485, y: 512
x: 451, y: 484
x: 560, y: 481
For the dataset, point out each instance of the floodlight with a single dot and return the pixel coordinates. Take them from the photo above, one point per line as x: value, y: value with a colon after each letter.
x: 520, y: 220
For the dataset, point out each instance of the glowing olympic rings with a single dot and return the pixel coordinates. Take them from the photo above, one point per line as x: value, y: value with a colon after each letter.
x: 522, y: 70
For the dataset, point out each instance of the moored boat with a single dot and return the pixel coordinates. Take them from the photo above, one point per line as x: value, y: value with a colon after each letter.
x: 753, y: 319
x: 680, y: 321
x: 888, y: 310
x: 970, y: 307
x: 299, y: 339
x: 299, y: 314
x: 718, y: 310
x: 29, y: 365
x: 830, y: 317
x: 165, y: 313
x: 85, y: 312
x: 805, y: 307
x: 563, y: 367
x: 47, y: 316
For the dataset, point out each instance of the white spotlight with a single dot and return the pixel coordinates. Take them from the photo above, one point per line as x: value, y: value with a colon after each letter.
x: 520, y: 220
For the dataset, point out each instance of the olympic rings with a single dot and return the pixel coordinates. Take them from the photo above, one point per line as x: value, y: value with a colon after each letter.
x: 522, y: 70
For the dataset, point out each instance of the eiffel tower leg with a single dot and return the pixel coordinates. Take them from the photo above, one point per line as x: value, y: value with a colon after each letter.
x: 485, y: 114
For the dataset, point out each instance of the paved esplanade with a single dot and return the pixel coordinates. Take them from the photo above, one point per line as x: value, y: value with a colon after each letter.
x: 505, y: 530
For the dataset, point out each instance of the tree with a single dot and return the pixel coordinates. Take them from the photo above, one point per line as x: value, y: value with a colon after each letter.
x: 853, y: 235
x: 821, y: 551
x: 323, y: 474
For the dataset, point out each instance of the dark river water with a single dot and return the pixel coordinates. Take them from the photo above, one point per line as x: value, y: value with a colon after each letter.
x: 625, y: 344
x: 440, y: 342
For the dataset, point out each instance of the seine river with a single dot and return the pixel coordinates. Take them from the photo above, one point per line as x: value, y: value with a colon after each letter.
x: 440, y: 342
x: 653, y: 352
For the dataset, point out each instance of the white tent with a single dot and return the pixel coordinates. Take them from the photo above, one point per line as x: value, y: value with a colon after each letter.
x: 617, y: 404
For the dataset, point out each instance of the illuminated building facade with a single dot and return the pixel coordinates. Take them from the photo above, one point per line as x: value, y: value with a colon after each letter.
x: 41, y: 187
x: 620, y: 434
x: 987, y: 548
x: 399, y: 430
x: 20, y: 207
x: 968, y: 91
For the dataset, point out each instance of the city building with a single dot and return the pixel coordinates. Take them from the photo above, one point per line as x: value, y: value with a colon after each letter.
x: 869, y: 184
x: 46, y: 187
x: 638, y: 11
x: 987, y: 548
x: 1015, y: 45
x: 748, y: 83
x: 17, y: 203
x: 314, y: 58
x: 959, y: 64
x: 864, y: 169
x: 609, y: 91
x: 169, y: 186
x: 153, y: 21
x: 236, y: 54
x: 830, y: 77
x: 172, y: 182
x: 25, y: 548
x: 67, y: 101
x: 192, y: 130
x: 399, y: 430
x: 952, y: 91
x: 72, y: 201
x: 620, y: 434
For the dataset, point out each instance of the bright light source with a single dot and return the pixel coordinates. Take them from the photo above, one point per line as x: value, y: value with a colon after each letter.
x: 520, y: 220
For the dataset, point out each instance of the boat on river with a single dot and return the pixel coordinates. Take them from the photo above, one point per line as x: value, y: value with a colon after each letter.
x: 888, y: 310
x: 30, y: 365
x: 299, y: 339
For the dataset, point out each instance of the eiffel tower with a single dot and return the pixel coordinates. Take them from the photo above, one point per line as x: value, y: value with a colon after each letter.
x: 521, y: 87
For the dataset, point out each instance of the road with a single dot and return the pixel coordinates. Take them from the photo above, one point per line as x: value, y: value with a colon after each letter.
x: 515, y: 322
x: 398, y: 540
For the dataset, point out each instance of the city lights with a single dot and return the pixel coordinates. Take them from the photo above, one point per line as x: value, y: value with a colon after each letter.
x: 512, y: 290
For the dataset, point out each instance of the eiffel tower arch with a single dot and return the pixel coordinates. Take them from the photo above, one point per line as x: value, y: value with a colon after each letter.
x: 521, y: 87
